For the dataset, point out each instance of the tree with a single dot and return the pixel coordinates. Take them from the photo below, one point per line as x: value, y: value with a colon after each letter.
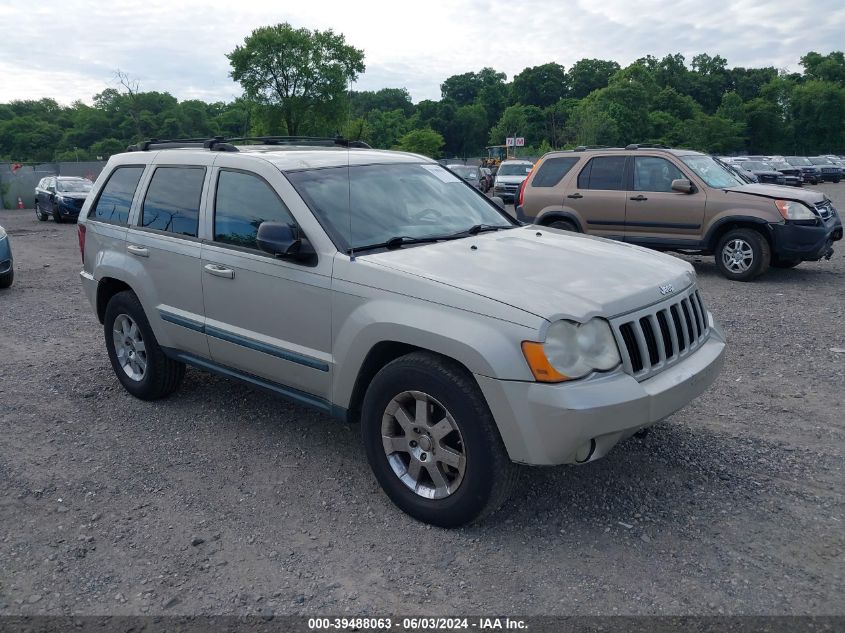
x: 540, y: 86
x: 301, y: 72
x: 765, y: 126
x: 731, y: 108
x: 587, y: 75
x: 519, y: 120
x: 829, y: 67
x: 426, y: 142
x: 818, y: 111
x: 471, y: 124
x: 464, y: 89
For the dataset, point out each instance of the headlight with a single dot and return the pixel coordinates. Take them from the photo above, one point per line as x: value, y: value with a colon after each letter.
x: 572, y: 350
x: 65, y: 199
x: 791, y: 210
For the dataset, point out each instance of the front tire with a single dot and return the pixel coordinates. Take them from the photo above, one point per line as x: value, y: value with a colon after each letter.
x: 432, y: 442
x: 43, y: 217
x: 57, y: 217
x: 7, y: 278
x: 136, y: 357
x: 742, y: 254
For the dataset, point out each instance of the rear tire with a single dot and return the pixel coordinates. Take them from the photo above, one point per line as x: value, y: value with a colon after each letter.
x: 432, y: 442
x: 565, y: 225
x: 136, y: 357
x: 742, y: 254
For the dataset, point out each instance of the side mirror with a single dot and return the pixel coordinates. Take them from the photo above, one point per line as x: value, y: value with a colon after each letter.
x: 682, y: 185
x: 283, y: 241
x: 498, y: 202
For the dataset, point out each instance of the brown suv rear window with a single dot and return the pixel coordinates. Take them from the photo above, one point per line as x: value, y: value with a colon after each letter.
x: 552, y: 170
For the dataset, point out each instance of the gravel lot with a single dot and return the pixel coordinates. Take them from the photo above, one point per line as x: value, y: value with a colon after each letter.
x: 224, y: 500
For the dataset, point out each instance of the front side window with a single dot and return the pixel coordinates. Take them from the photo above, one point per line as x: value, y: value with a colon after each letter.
x: 370, y: 204
x: 116, y: 198
x: 652, y: 173
x: 603, y: 172
x: 242, y: 202
x: 172, y: 202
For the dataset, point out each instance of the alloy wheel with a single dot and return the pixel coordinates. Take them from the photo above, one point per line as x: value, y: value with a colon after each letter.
x: 423, y: 445
x: 129, y: 347
x: 737, y: 255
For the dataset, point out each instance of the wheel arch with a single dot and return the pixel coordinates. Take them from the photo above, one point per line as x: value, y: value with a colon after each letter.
x: 720, y: 227
x: 561, y: 214
x: 106, y: 289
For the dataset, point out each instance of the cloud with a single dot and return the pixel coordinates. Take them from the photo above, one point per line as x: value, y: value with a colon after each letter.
x: 70, y: 49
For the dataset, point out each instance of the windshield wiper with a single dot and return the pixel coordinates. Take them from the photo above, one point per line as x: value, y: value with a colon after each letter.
x: 402, y: 240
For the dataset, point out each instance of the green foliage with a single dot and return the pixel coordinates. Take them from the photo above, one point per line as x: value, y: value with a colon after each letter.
x: 540, y: 86
x: 425, y: 141
x: 295, y: 82
x: 301, y: 72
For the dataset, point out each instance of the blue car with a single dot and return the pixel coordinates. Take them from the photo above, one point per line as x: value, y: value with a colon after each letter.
x: 60, y: 197
x: 7, y: 269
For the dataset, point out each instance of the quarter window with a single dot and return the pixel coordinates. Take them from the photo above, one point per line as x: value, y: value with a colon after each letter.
x: 243, y: 201
x: 116, y: 198
x: 654, y: 174
x: 603, y: 172
x: 172, y: 202
x: 553, y: 170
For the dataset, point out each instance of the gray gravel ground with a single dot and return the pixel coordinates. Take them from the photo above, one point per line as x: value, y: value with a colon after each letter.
x: 226, y: 500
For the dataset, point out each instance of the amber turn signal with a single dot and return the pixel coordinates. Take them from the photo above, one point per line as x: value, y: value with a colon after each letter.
x: 539, y: 364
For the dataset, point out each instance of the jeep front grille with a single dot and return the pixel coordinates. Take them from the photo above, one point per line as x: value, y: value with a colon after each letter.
x: 659, y: 336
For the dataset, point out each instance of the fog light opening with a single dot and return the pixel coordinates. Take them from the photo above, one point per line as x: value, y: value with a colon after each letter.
x: 585, y: 451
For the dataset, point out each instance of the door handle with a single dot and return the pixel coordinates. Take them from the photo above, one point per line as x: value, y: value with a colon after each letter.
x: 638, y: 198
x: 219, y: 271
x: 140, y: 251
x: 575, y: 195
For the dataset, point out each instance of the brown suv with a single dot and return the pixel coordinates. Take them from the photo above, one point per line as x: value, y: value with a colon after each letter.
x: 679, y: 200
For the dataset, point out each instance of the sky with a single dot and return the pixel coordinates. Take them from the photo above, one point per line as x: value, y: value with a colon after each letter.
x: 71, y: 49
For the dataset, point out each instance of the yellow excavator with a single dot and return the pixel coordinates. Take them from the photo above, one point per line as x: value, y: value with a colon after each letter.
x: 495, y: 155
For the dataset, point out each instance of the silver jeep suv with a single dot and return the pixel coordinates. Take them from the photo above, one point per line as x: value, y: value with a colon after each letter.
x: 378, y: 287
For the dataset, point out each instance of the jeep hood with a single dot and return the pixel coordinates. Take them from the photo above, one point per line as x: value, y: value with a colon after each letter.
x: 778, y: 192
x: 512, y: 180
x: 549, y: 273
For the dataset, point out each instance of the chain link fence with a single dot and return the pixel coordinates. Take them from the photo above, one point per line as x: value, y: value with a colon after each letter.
x: 18, y: 181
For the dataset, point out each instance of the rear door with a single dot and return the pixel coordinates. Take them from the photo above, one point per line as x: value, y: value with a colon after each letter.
x: 598, y: 196
x: 163, y: 245
x: 265, y: 316
x: 654, y: 212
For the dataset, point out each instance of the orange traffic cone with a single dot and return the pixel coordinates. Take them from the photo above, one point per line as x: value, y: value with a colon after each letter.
x: 20, y: 203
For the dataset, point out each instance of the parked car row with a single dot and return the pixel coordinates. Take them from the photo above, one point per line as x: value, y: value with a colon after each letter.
x: 790, y: 170
x: 61, y: 197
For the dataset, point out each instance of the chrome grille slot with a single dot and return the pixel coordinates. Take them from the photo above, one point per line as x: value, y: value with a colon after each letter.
x: 659, y: 336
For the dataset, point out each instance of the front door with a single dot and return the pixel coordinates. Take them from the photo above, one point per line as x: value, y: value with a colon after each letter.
x: 654, y: 212
x: 265, y: 316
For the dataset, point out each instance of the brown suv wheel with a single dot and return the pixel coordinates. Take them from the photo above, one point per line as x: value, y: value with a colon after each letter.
x: 742, y: 254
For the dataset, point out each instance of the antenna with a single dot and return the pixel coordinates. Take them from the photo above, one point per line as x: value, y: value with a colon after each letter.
x: 349, y: 180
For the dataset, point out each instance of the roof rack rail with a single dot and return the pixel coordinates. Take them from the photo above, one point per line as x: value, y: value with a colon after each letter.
x: 318, y: 141
x: 218, y: 143
x: 647, y: 146
x: 583, y: 148
x: 223, y: 144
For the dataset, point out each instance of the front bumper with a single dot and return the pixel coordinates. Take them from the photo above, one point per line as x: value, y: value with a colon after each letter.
x: 566, y: 423
x: 68, y: 211
x: 807, y: 243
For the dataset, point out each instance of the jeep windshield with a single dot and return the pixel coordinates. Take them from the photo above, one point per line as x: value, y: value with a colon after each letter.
x: 711, y: 172
x: 798, y: 160
x: 386, y: 206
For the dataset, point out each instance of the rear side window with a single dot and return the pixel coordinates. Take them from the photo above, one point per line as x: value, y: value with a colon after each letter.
x: 172, y: 203
x: 603, y: 172
x: 116, y: 198
x: 553, y: 170
x: 243, y: 201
